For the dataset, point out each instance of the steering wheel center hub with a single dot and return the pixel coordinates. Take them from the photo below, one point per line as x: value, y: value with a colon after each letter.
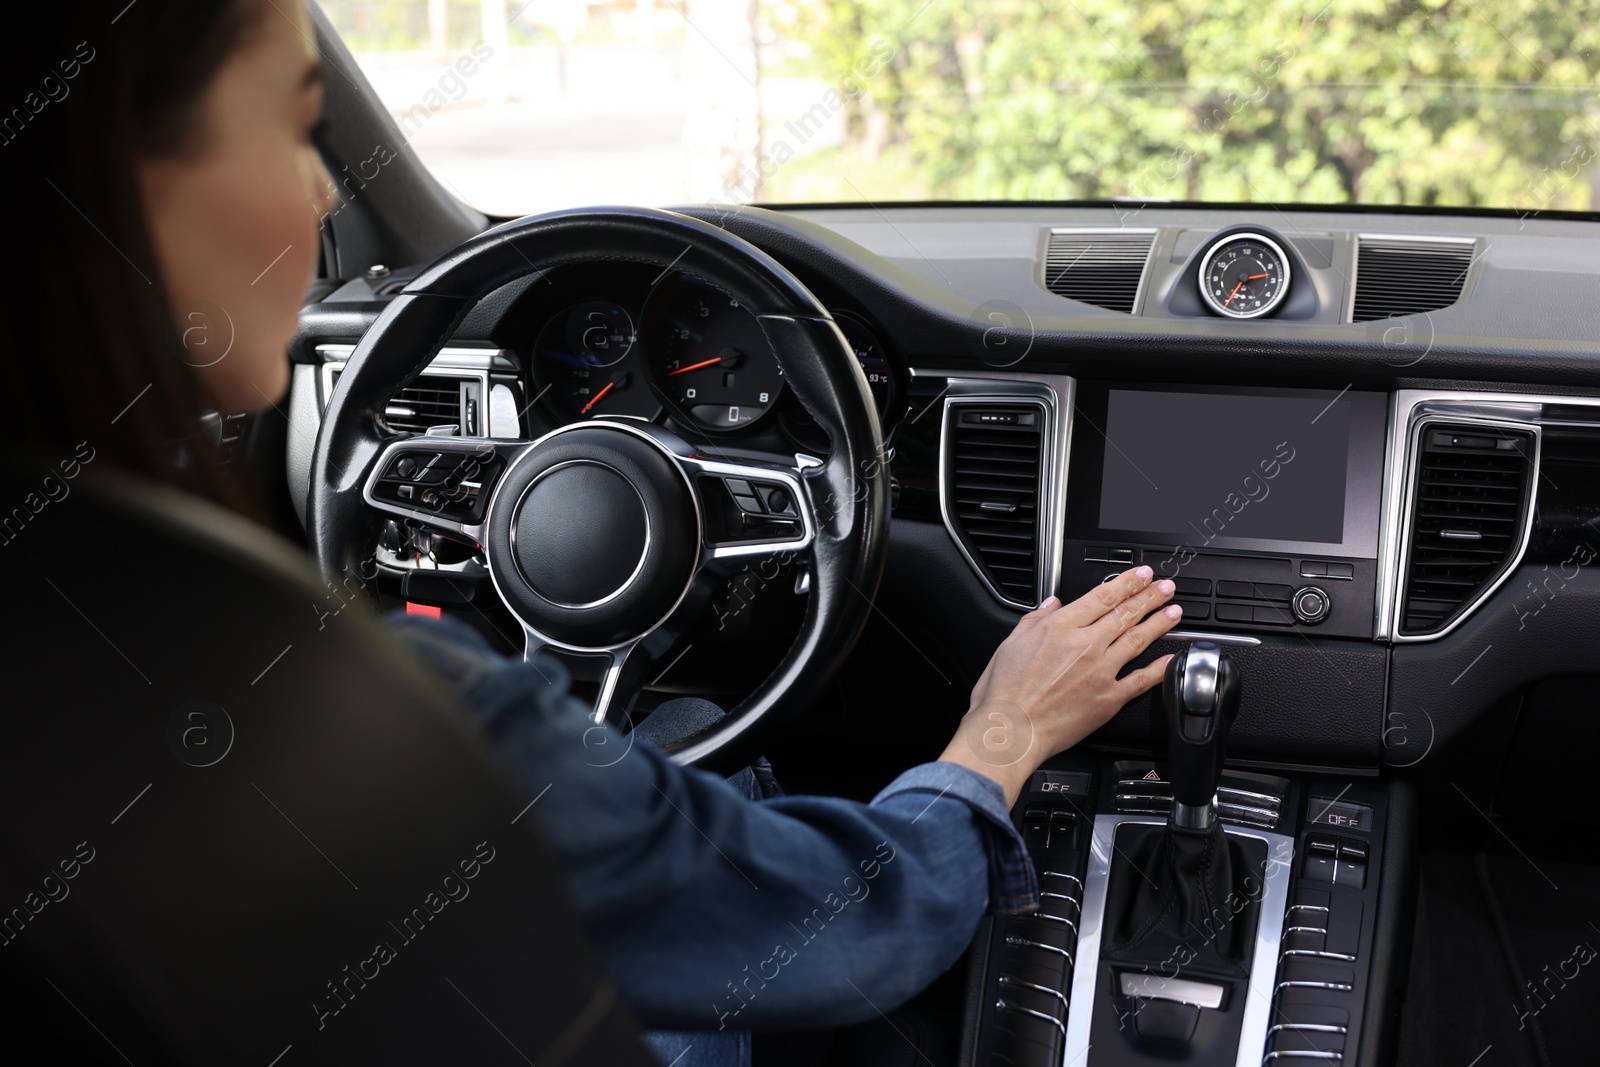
x: 582, y: 534
x: 593, y: 536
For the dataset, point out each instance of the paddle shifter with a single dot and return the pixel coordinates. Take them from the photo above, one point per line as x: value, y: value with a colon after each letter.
x: 1201, y: 693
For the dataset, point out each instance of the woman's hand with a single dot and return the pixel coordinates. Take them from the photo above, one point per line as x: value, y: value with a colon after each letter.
x: 1054, y: 681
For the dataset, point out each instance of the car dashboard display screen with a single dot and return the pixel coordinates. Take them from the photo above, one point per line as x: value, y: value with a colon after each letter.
x: 1270, y: 467
x: 1242, y: 468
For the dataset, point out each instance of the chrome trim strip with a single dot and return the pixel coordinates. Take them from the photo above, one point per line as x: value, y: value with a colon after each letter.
x: 1416, y: 411
x: 1068, y: 877
x: 1202, y: 635
x: 1321, y: 1028
x: 1063, y: 920
x: 1264, y: 960
x: 1319, y: 954
x: 1394, y: 454
x: 1056, y: 396
x: 1008, y: 1005
x: 1006, y: 979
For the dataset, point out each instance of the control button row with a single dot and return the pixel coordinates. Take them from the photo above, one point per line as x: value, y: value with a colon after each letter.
x: 1335, y: 861
x: 761, y: 498
x: 1277, y: 594
x: 1258, y: 614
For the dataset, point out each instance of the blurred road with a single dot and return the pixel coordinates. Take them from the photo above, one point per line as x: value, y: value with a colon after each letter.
x: 537, y: 129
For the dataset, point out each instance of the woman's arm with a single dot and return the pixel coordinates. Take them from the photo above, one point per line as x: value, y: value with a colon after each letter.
x: 711, y: 911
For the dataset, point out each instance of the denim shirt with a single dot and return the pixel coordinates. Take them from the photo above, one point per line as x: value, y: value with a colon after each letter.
x: 711, y: 911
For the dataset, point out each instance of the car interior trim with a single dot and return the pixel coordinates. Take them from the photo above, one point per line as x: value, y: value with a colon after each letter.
x: 1221, y: 639
x: 1057, y: 395
x: 1264, y: 956
x: 1415, y: 410
x: 1410, y: 238
x: 1153, y: 232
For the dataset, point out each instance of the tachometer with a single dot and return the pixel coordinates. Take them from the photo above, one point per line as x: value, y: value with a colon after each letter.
x: 591, y: 356
x: 709, y: 355
x: 1244, y: 276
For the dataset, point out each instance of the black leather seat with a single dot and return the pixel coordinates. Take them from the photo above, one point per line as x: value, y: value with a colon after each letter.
x: 237, y: 825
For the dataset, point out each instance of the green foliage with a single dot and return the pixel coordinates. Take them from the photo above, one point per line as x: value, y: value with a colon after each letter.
x: 1447, y: 102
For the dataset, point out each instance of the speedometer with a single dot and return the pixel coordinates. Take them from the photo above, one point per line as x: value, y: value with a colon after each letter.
x: 1244, y: 276
x: 709, y: 355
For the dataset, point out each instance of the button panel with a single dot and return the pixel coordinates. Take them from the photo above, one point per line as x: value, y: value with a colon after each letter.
x: 451, y: 483
x: 1278, y: 594
x: 1031, y: 956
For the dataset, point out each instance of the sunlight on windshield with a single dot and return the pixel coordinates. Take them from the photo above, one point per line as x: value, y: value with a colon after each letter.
x: 526, y: 106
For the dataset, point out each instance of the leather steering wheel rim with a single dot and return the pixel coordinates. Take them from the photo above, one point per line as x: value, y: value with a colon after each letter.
x: 847, y: 496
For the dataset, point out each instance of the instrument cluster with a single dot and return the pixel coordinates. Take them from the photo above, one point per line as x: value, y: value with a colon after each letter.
x: 668, y: 347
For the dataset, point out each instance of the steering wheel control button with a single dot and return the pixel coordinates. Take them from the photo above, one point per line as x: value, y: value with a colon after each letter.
x: 1311, y: 604
x: 581, y: 534
x: 450, y: 484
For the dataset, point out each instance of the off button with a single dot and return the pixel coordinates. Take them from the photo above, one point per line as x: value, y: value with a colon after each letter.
x: 1060, y: 783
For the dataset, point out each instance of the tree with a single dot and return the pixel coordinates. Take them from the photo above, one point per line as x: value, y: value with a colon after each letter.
x: 1449, y: 102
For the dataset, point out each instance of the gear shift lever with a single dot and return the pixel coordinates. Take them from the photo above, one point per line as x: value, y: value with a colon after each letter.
x: 1201, y: 693
x: 1183, y: 900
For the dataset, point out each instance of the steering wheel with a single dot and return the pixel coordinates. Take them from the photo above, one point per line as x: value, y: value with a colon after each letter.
x: 605, y: 539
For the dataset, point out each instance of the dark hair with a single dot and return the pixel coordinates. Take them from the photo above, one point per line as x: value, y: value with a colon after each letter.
x: 91, y: 350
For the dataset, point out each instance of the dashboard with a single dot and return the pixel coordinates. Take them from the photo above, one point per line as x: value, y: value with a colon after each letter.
x: 632, y: 341
x: 1366, y: 446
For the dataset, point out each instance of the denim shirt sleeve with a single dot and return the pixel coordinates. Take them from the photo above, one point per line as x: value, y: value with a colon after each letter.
x: 711, y: 911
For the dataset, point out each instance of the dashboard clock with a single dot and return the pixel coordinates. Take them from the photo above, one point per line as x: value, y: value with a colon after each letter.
x: 1244, y: 276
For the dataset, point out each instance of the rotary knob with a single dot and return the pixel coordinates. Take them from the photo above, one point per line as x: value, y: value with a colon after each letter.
x: 1311, y: 604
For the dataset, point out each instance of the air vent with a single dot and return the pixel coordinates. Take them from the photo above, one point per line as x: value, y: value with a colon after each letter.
x: 992, y: 492
x: 1103, y: 269
x: 1403, y: 276
x: 428, y: 401
x: 1469, y: 513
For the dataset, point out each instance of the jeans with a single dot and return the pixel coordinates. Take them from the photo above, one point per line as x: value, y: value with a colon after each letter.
x: 715, y: 914
x: 672, y: 721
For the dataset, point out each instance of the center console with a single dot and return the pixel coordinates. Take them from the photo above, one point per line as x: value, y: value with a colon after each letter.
x: 1188, y: 913
x: 1263, y: 505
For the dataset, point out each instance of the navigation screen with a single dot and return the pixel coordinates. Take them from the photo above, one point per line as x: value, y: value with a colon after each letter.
x: 1198, y: 466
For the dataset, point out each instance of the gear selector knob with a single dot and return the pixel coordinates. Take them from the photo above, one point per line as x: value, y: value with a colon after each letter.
x: 1201, y: 694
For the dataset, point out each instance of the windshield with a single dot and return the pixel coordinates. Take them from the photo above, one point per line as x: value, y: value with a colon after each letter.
x: 526, y: 106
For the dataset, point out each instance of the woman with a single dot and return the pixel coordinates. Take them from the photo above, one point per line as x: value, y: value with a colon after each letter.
x: 163, y: 150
